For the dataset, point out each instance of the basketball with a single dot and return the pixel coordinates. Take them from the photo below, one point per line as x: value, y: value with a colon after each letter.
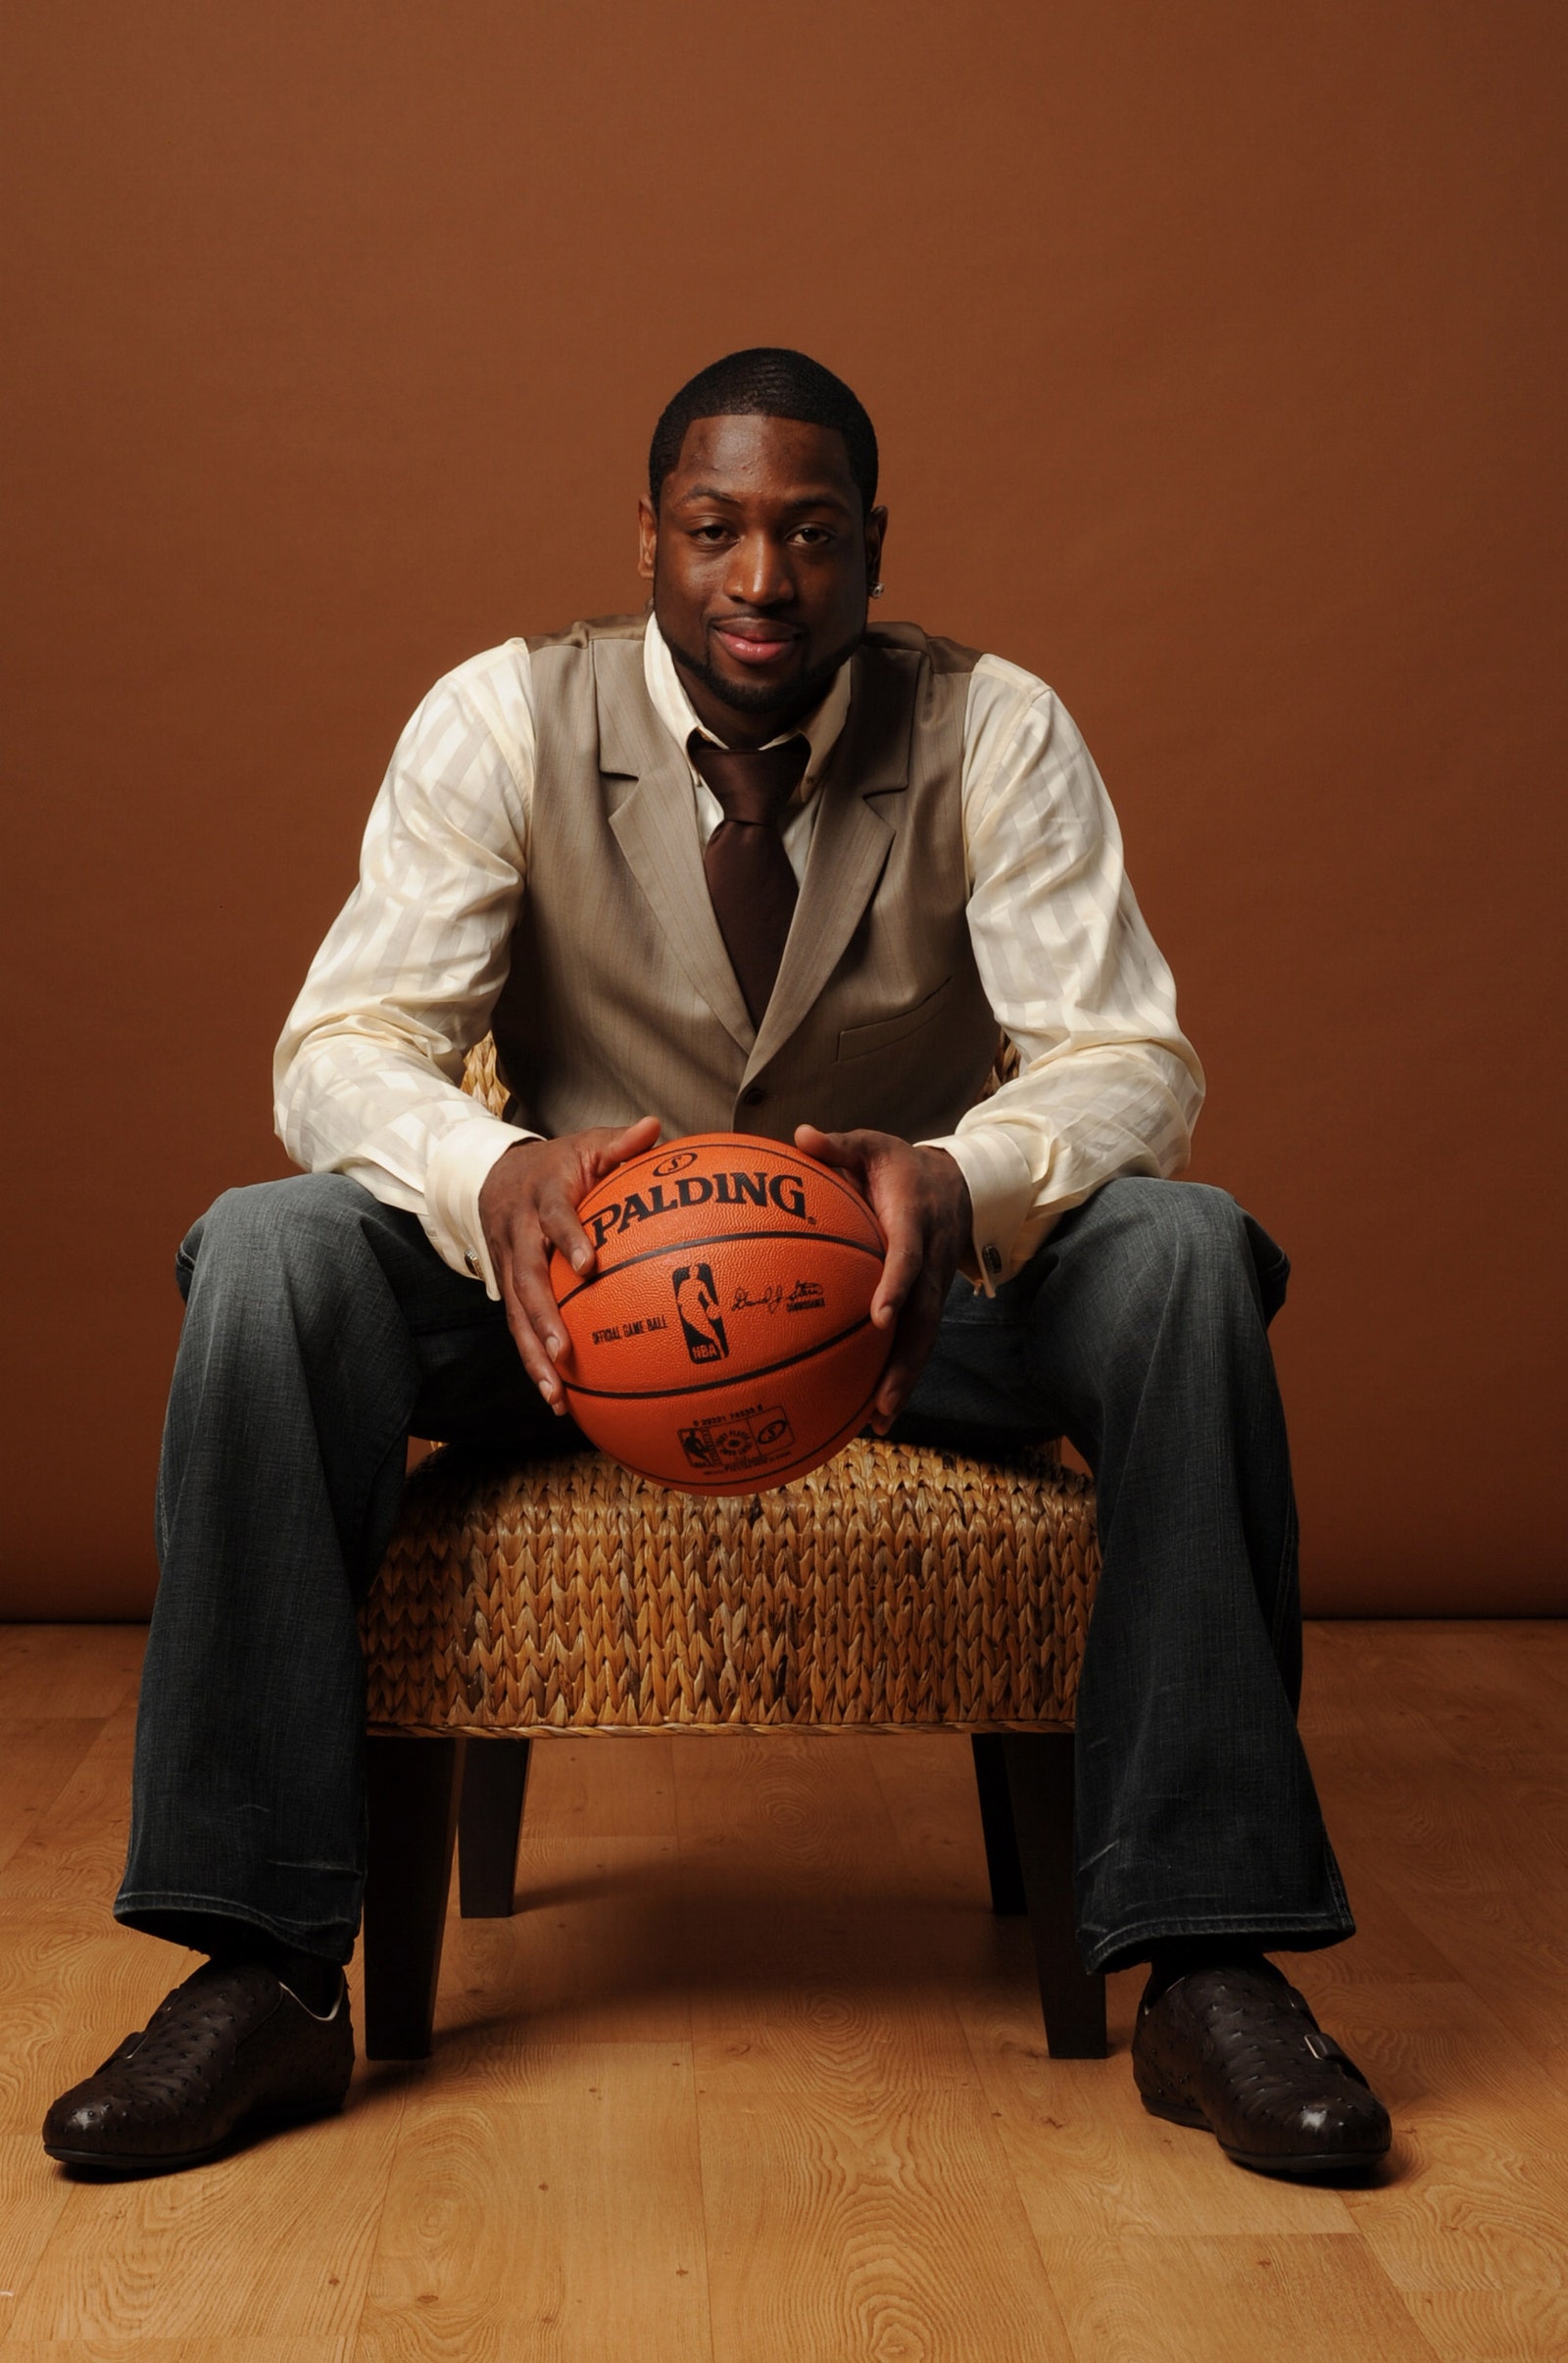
x: 724, y: 1339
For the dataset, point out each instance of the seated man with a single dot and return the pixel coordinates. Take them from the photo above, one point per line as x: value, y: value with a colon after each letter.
x: 739, y: 864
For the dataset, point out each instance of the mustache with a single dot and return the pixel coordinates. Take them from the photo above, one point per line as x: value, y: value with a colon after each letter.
x: 761, y: 696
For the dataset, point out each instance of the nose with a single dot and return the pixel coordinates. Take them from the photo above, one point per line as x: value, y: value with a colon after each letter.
x: 759, y: 573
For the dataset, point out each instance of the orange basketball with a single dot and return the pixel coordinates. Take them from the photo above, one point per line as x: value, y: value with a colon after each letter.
x: 724, y: 1339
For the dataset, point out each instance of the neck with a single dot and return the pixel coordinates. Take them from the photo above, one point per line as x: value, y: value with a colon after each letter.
x: 739, y: 725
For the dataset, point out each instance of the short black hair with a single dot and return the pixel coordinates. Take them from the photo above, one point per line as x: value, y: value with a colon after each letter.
x: 768, y: 382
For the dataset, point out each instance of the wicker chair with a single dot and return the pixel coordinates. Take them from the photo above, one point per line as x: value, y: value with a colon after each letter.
x: 898, y: 1587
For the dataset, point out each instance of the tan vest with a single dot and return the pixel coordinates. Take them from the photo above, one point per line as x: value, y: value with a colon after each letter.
x: 621, y: 1001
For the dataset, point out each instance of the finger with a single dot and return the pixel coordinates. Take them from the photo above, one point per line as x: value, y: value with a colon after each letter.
x: 534, y: 1317
x: 901, y: 1266
x: 558, y: 1201
x: 561, y: 1228
x: 634, y: 1140
x: 912, y: 1342
x: 902, y: 1257
x: 531, y: 1353
x: 836, y: 1148
x: 538, y: 1301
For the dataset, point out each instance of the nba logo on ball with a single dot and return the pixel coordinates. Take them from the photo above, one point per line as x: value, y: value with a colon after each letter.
x: 698, y: 1305
x: 724, y: 1340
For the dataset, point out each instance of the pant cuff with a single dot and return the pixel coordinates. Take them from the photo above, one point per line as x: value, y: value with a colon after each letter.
x: 187, y: 1920
x: 1124, y: 1948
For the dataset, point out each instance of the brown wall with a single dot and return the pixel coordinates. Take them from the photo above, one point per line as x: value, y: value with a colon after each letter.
x: 1217, y: 353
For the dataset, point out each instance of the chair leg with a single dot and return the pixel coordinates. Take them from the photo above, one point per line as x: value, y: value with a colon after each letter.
x: 414, y: 1784
x: 495, y: 1777
x: 996, y: 1824
x: 1039, y: 1785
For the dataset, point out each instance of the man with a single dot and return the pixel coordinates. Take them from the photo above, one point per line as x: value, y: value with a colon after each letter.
x: 739, y: 864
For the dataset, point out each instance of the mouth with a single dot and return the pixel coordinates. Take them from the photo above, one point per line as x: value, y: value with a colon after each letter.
x: 754, y: 640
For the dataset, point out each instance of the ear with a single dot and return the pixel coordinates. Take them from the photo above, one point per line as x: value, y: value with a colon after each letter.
x: 647, y: 537
x: 876, y: 527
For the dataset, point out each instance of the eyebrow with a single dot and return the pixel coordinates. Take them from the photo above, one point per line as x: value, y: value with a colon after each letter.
x: 823, y: 499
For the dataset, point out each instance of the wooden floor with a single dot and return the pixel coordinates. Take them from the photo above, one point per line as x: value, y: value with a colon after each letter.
x: 756, y: 2075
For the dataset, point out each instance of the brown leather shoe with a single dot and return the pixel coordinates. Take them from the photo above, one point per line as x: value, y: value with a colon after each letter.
x: 229, y: 2051
x: 1238, y: 2051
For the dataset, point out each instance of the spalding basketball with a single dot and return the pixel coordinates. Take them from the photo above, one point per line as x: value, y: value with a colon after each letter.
x: 724, y: 1339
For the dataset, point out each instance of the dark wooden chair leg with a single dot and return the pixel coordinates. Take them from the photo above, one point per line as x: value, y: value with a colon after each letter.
x: 414, y: 1784
x: 495, y: 1777
x: 995, y: 1823
x: 1040, y: 1785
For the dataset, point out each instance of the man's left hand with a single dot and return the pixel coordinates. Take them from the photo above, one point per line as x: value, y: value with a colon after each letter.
x: 921, y: 1200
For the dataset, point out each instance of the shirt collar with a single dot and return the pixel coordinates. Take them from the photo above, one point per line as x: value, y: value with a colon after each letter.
x: 674, y: 707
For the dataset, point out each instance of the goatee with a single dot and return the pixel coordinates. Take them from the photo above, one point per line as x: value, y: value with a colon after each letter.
x: 798, y: 696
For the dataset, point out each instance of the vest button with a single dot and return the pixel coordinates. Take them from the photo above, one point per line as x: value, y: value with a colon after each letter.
x: 753, y: 1096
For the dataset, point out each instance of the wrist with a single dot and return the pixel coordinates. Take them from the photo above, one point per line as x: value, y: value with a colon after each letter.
x: 953, y: 1183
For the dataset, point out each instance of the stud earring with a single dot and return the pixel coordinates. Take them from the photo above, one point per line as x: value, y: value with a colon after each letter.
x: 876, y: 590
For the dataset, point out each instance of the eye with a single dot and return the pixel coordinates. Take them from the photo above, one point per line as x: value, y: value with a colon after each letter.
x: 813, y: 536
x: 710, y: 535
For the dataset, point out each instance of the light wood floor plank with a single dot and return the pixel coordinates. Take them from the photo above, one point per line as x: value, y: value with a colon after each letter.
x: 179, y: 2256
x: 68, y: 1670
x: 1508, y: 1943
x: 565, y: 2225
x: 37, y: 1759
x: 111, y: 2348
x: 1480, y: 1684
x: 1476, y: 2199
x: 71, y: 1987
x: 810, y: 1963
x: 1308, y: 2299
x: 75, y: 1850
x: 595, y: 1954
x: 31, y: 2198
x: 869, y: 2228
x: 1087, y: 2158
x: 604, y: 1786
x: 1491, y: 2326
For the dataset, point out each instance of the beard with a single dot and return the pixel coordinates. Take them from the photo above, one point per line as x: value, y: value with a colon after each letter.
x: 761, y: 696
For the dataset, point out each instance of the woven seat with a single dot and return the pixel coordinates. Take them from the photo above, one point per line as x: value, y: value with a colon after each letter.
x: 896, y: 1587
x: 900, y: 1587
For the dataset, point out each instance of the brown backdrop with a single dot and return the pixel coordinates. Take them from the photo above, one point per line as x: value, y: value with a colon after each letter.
x: 1218, y: 357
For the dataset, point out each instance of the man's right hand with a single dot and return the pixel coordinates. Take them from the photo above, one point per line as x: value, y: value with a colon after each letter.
x: 527, y: 1205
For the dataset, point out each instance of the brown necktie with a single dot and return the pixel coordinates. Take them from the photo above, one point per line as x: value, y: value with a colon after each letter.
x: 748, y: 874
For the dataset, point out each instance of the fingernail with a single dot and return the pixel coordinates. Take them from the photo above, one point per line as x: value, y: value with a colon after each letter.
x: 552, y: 1347
x: 580, y: 1258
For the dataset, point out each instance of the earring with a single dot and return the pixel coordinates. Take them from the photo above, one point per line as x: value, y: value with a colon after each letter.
x: 876, y: 590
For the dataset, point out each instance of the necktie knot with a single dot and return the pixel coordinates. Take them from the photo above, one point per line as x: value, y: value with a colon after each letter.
x: 754, y: 784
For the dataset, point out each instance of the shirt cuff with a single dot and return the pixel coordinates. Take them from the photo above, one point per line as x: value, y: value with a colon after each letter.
x: 1002, y: 1196
x: 457, y: 1172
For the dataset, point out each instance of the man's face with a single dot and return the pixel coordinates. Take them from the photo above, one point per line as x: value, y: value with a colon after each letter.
x: 761, y: 558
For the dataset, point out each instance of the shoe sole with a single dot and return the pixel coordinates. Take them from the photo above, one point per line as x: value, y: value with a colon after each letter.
x: 120, y: 2167
x: 1321, y: 2162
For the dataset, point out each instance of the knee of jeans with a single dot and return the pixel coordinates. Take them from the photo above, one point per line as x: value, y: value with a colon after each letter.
x: 277, y: 1222
x: 1186, y: 1228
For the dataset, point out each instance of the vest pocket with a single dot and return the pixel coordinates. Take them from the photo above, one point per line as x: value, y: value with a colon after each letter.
x: 859, y: 1041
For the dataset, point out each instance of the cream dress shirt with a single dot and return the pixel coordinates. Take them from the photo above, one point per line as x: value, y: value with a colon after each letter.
x: 368, y: 1071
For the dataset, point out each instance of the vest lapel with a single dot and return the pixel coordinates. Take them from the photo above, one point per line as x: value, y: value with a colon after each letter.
x: 655, y: 828
x: 851, y: 842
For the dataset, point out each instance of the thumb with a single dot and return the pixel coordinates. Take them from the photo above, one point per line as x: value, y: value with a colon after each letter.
x: 627, y: 1144
x: 836, y: 1148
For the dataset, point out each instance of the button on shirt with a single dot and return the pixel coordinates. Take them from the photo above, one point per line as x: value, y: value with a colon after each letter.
x: 368, y: 1071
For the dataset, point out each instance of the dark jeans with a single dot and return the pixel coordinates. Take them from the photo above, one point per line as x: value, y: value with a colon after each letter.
x: 321, y: 1330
